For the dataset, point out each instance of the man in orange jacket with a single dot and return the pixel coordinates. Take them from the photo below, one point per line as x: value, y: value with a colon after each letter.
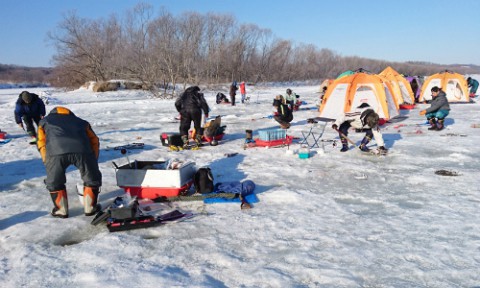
x: 63, y: 140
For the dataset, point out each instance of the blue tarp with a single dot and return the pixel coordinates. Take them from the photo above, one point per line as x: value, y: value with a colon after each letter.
x: 246, y: 188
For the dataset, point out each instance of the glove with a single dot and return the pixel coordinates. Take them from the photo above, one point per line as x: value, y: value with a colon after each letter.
x: 423, y: 112
x: 206, y: 115
x: 334, y: 127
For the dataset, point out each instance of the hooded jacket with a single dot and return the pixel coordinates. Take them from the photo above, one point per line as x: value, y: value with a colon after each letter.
x: 32, y: 109
x: 191, y: 100
x: 61, y: 132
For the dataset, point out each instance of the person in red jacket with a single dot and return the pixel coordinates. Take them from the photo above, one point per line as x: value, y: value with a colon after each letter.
x: 63, y: 140
x: 243, y: 91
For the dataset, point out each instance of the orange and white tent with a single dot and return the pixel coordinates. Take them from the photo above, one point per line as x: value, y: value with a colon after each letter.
x: 401, y: 87
x: 453, y: 84
x: 349, y: 92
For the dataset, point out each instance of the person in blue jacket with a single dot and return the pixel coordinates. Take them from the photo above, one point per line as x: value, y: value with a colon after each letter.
x: 473, y: 84
x: 29, y: 109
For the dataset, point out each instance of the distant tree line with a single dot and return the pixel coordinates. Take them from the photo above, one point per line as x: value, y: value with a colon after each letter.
x: 166, y: 50
x: 26, y: 75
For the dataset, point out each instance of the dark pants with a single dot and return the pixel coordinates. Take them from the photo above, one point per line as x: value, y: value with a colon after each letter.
x: 282, y: 120
x: 56, y: 167
x: 187, y: 118
x: 232, y: 99
x: 28, y: 120
x: 346, y: 125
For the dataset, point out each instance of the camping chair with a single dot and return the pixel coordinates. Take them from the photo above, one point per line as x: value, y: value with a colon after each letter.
x: 312, y: 136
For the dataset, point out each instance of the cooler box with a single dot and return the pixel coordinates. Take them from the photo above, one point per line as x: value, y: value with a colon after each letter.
x: 171, y: 139
x: 273, y: 137
x: 152, y: 179
x: 3, y: 135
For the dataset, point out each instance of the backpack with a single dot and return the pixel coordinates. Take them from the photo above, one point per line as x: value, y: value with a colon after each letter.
x: 203, y: 180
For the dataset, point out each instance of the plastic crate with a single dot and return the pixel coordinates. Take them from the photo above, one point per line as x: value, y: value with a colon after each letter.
x: 272, y: 134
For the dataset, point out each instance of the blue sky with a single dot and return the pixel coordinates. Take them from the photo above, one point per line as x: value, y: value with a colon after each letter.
x: 439, y: 31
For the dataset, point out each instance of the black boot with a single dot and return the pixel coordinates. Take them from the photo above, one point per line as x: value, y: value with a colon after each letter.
x: 440, y: 125
x: 198, y: 140
x: 60, y: 203
x: 344, y: 144
x: 185, y: 141
x: 433, y: 124
x: 363, y: 145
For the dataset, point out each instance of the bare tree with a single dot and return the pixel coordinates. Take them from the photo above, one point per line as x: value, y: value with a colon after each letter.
x: 87, y: 48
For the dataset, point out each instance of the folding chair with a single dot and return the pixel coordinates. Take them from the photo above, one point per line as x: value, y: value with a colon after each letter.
x: 312, y: 136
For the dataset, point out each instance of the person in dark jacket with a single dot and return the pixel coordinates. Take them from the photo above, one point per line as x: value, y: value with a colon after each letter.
x: 473, y: 84
x: 364, y: 118
x: 283, y: 115
x: 439, y: 109
x: 233, y: 92
x: 190, y: 105
x: 63, y: 140
x: 29, y: 109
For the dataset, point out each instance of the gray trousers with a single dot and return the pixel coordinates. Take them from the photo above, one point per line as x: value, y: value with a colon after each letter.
x: 57, y: 165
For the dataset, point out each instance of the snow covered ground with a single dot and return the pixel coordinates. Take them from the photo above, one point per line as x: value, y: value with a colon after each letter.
x: 333, y: 220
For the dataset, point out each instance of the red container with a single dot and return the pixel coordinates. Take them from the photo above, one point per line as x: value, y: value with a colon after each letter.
x: 3, y: 135
x: 216, y: 137
x: 154, y: 192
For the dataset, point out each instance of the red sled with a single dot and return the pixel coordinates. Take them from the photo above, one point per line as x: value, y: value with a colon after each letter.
x: 273, y: 143
x: 407, y: 106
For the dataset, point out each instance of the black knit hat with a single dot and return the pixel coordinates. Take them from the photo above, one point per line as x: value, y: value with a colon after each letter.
x: 26, y: 97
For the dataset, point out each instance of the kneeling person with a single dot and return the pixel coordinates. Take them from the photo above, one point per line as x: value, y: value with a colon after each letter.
x: 363, y: 118
x: 439, y: 109
x: 283, y: 115
x: 63, y: 140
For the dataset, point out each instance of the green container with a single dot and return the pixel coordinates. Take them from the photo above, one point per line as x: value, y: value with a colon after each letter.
x: 304, y: 155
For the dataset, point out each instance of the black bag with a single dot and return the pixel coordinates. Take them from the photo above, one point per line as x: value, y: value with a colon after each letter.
x: 203, y: 180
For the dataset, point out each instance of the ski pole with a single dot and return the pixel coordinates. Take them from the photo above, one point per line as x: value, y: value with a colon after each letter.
x: 348, y: 139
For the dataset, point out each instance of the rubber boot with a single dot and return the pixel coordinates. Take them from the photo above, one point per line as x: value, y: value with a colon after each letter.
x: 185, y: 141
x: 60, y: 202
x: 198, y: 140
x: 440, y: 125
x: 90, y: 197
x: 363, y: 145
x: 344, y: 144
x: 433, y: 124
